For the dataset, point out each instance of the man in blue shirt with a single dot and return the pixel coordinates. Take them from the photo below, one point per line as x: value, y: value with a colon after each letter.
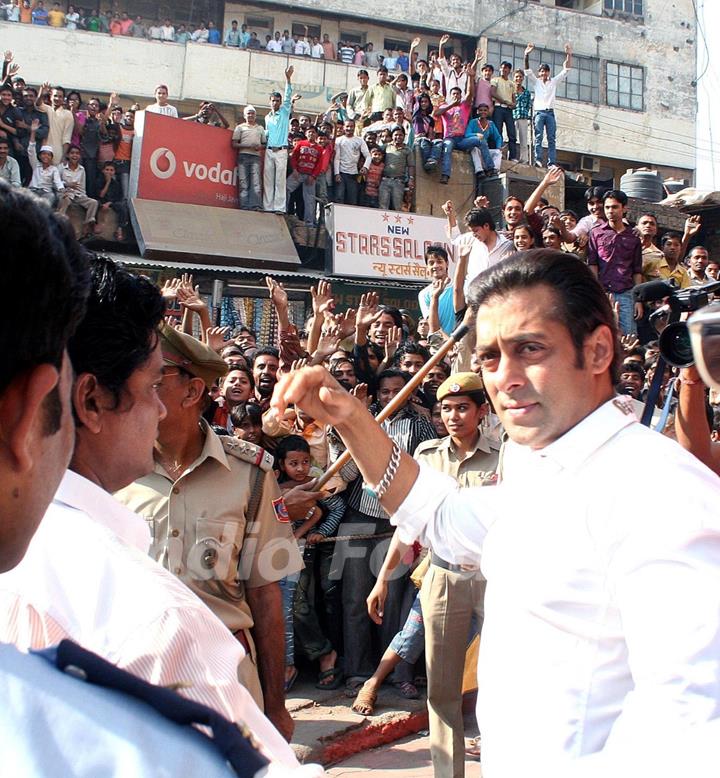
x: 436, y: 259
x: 485, y: 129
x: 39, y: 14
x: 277, y: 124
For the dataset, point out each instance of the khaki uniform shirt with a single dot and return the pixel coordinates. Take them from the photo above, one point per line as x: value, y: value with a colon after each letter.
x: 477, y: 469
x: 505, y: 89
x: 199, y: 527
x: 658, y: 268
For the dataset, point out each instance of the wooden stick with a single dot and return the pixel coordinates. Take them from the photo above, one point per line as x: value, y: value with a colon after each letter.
x: 400, y: 398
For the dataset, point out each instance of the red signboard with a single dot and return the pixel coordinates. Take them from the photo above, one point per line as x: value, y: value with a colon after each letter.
x: 186, y: 162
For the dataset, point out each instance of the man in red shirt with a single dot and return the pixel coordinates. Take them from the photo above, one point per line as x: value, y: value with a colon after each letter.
x: 306, y: 163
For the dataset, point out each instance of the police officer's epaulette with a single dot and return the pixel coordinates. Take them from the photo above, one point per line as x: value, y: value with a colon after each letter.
x: 247, y: 452
x: 428, y: 445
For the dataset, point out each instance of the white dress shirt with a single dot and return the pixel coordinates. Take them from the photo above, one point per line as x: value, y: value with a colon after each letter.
x: 87, y: 576
x: 347, y: 154
x: 544, y: 90
x: 602, y: 612
x: 480, y: 257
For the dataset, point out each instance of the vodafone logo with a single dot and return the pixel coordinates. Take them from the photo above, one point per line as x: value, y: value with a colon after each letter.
x: 169, y: 165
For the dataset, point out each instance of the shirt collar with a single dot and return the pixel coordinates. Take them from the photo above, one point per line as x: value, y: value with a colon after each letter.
x: 578, y: 444
x: 481, y: 445
x: 79, y: 493
x: 212, y: 449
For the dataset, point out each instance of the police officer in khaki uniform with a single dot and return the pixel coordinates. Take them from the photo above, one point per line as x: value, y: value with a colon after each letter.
x: 451, y: 594
x: 218, y: 521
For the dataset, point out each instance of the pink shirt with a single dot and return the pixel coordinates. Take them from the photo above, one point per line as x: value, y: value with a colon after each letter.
x: 359, y: 57
x: 483, y: 93
x: 455, y: 120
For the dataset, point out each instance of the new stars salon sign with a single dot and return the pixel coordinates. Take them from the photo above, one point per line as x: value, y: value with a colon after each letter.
x: 372, y: 243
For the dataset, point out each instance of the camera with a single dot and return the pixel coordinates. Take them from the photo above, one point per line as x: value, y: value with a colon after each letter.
x: 675, y: 339
x: 704, y: 329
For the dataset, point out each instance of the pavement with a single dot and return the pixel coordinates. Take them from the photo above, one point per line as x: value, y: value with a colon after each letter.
x: 328, y: 732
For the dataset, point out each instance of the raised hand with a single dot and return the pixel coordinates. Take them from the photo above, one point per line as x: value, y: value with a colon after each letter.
x: 529, y: 48
x: 367, y: 311
x: 444, y: 39
x: 481, y: 202
x: 415, y: 43
x: 169, y: 288
x: 190, y: 298
x: 289, y: 72
x: 8, y: 56
x: 692, y: 225
x: 346, y: 322
x: 554, y: 174
x: 295, y: 98
x: 322, y: 298
x: 328, y: 343
x: 629, y: 342
x: 361, y: 392
x: 392, y: 341
x: 448, y: 208
x: 317, y: 393
x: 299, y: 364
x: 278, y: 295
x: 568, y: 48
x: 13, y: 69
x: 215, y: 337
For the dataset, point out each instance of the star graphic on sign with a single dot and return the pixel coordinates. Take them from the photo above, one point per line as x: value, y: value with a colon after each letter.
x: 386, y: 217
x: 410, y: 219
x: 398, y: 219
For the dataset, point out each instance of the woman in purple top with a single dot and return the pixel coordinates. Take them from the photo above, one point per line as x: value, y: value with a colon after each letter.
x: 423, y: 124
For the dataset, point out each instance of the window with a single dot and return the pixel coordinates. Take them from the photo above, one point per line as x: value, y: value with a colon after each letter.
x: 298, y: 28
x: 353, y: 36
x: 582, y: 82
x: 625, y: 86
x: 259, y: 22
x: 392, y: 44
x: 632, y: 7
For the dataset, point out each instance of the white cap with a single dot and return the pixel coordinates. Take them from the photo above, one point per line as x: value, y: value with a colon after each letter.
x: 47, y: 148
x: 249, y: 109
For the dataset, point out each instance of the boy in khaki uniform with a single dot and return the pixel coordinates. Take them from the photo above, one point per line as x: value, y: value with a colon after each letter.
x: 218, y: 521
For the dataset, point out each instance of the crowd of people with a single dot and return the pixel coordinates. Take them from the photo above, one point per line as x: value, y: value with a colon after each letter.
x: 363, y: 150
x: 193, y: 490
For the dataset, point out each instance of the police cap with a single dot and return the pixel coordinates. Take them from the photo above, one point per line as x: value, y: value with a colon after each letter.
x: 460, y: 384
x: 192, y: 356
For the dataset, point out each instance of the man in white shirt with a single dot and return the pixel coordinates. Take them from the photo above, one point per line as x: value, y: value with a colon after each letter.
x: 167, y: 31
x: 544, y: 102
x: 60, y: 120
x: 487, y: 246
x: 348, y: 148
x: 161, y: 104
x: 316, y: 50
x: 302, y: 47
x: 580, y: 672
x: 87, y: 574
x: 275, y: 44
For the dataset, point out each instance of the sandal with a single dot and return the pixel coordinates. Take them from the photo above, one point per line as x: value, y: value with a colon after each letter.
x: 353, y: 686
x: 290, y: 682
x: 335, y: 676
x: 407, y: 690
x: 365, y: 702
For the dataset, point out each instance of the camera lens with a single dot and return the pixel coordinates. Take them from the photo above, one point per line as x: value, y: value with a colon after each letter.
x: 675, y: 345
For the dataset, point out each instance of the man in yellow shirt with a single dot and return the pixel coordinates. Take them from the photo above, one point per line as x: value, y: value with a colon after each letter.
x: 503, y: 95
x: 56, y: 16
x: 669, y: 266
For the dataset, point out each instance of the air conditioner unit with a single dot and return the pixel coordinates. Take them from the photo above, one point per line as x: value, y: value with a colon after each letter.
x: 589, y: 163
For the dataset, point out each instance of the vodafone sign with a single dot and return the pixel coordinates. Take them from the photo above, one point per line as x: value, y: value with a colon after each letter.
x: 182, y: 162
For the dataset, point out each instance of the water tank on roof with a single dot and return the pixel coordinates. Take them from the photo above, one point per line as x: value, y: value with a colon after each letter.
x: 644, y: 184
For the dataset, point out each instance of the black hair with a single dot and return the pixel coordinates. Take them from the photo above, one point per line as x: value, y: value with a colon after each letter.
x: 363, y: 72
x: 651, y: 215
x: 244, y: 328
x: 410, y: 347
x: 74, y: 92
x: 73, y: 146
x: 382, y: 69
x: 244, y: 411
x: 616, y: 194
x: 581, y: 303
x: 288, y: 445
x: 594, y: 193
x: 4, y: 140
x: 392, y: 373
x: 394, y: 312
x: 46, y: 270
x: 633, y: 366
x: 437, y: 250
x: 479, y: 217
x: 245, y: 370
x: 569, y: 212
x: 488, y: 65
x: 510, y: 198
x: 266, y: 351
x: 670, y: 236
x: 120, y: 329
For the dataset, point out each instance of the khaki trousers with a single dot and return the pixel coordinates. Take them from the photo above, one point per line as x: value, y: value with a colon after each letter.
x: 89, y: 205
x: 248, y: 670
x: 448, y: 600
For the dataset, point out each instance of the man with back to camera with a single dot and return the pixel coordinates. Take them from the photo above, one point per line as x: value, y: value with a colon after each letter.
x: 47, y: 716
x: 578, y: 671
x: 544, y: 89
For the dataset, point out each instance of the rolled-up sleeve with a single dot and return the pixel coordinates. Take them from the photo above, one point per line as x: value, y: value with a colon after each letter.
x: 453, y: 522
